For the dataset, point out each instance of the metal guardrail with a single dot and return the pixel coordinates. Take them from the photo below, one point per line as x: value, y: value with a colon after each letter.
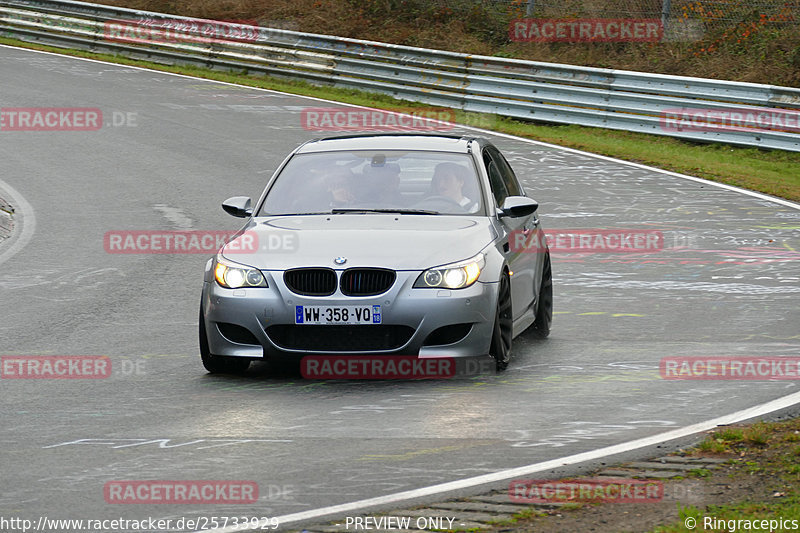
x: 553, y: 93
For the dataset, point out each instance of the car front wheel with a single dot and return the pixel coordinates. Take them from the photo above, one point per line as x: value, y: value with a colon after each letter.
x: 544, y: 311
x: 500, y: 348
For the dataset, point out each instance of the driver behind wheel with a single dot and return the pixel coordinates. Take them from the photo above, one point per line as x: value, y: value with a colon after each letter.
x: 448, y: 181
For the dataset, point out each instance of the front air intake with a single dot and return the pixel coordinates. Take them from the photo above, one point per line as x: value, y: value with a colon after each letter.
x: 366, y: 281
x: 311, y: 281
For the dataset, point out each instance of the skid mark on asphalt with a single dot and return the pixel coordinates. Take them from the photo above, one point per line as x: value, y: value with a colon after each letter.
x: 726, y: 288
x: 426, y: 451
x: 597, y: 313
x: 164, y: 444
x: 753, y: 336
x: 85, y: 278
x: 169, y: 355
x: 577, y: 431
x: 176, y: 216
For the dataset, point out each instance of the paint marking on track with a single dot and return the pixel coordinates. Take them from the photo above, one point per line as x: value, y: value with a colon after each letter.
x: 25, y: 217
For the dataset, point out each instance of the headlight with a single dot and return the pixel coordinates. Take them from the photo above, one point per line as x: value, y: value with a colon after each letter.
x: 235, y: 276
x: 454, y: 276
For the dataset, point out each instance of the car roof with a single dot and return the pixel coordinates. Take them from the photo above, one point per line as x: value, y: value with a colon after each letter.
x: 390, y: 141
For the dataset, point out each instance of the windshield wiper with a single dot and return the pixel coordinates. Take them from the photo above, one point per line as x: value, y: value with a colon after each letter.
x: 298, y: 214
x: 387, y: 210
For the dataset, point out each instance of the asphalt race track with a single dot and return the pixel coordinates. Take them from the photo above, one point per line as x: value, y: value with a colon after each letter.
x: 726, y: 283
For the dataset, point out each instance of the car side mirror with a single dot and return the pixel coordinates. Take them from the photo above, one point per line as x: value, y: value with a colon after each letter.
x: 517, y: 206
x: 238, y: 206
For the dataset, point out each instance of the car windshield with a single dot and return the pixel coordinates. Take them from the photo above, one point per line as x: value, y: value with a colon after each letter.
x: 413, y: 182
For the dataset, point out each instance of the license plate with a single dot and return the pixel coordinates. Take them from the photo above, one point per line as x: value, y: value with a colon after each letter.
x: 348, y: 314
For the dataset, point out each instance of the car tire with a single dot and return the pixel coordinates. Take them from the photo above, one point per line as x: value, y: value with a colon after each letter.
x: 544, y: 311
x: 218, y: 364
x: 502, y: 335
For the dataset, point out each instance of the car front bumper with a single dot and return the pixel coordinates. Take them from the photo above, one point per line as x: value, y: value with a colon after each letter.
x: 260, y: 322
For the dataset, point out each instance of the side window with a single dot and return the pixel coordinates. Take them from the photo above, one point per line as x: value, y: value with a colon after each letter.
x: 509, y: 178
x: 495, y: 178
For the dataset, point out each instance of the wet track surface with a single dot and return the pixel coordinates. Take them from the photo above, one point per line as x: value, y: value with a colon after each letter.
x: 726, y: 283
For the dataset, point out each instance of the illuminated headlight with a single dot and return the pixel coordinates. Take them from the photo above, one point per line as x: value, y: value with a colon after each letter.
x: 235, y: 276
x: 454, y: 276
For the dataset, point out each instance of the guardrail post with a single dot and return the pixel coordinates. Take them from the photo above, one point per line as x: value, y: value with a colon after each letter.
x: 529, y: 8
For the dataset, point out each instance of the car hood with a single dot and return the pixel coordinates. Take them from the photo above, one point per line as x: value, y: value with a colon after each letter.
x: 399, y: 242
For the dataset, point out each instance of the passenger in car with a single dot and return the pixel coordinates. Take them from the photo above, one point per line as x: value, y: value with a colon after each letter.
x: 340, y: 187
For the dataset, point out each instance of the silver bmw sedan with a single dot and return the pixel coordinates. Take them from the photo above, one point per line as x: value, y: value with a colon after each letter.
x: 380, y: 244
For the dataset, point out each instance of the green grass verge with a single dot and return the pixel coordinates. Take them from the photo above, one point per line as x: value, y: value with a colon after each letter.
x: 726, y: 518
x: 772, y: 172
x: 766, y: 449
